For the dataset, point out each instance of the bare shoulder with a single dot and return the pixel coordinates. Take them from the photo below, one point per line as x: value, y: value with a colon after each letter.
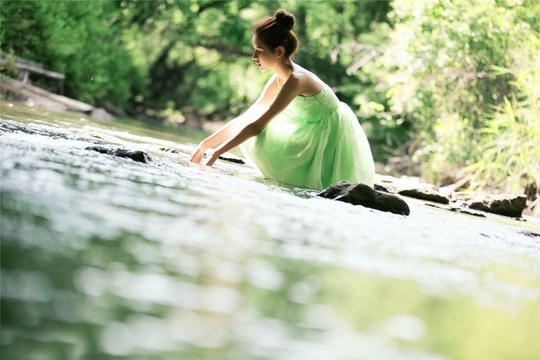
x: 301, y: 81
x: 308, y: 83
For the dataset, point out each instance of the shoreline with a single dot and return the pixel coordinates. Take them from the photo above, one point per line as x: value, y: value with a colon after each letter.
x: 449, y: 196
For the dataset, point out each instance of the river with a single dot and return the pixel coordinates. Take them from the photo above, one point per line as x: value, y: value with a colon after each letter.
x: 104, y: 257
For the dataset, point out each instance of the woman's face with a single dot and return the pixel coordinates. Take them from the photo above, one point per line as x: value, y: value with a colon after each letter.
x: 263, y: 57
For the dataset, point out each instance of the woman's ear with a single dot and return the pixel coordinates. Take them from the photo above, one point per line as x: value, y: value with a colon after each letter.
x: 280, y: 51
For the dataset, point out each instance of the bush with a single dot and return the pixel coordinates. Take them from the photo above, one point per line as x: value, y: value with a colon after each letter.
x: 79, y: 39
x: 463, y: 71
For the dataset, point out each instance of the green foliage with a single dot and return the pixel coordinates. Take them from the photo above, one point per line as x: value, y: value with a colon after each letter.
x: 449, y: 66
x: 195, y: 56
x: 79, y: 39
x: 205, y: 46
x: 508, y: 154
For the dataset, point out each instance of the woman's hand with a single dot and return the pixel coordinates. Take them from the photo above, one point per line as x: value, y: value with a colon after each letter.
x: 198, y: 154
x: 212, y: 159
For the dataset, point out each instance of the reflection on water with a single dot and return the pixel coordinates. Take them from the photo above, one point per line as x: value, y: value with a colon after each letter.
x: 103, y: 257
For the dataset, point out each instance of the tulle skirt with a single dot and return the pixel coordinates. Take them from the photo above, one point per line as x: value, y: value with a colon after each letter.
x: 312, y: 148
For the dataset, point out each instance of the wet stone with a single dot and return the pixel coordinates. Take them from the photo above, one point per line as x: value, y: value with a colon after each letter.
x: 502, y: 205
x: 229, y: 158
x: 382, y: 188
x: 362, y: 194
x: 169, y: 149
x: 425, y: 194
x: 135, y: 155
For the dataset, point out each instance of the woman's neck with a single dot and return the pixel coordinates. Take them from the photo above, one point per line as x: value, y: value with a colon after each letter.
x: 284, y: 70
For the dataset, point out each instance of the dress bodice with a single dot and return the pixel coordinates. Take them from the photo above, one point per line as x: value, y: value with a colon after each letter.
x: 315, y: 107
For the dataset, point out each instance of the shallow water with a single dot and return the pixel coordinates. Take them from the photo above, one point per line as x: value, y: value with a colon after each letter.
x: 104, y: 257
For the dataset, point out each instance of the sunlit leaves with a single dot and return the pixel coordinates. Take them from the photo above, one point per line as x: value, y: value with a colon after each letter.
x: 451, y: 67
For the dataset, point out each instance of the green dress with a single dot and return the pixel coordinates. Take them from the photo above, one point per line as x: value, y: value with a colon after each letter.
x: 314, y: 142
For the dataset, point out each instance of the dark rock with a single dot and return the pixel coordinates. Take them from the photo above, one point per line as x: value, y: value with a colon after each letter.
x: 362, y: 194
x: 168, y: 149
x: 425, y: 194
x: 232, y: 159
x: 135, y: 155
x: 100, y: 149
x: 507, y: 206
x: 379, y: 187
x: 334, y: 190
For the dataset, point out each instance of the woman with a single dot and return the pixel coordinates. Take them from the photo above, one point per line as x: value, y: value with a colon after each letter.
x: 297, y: 131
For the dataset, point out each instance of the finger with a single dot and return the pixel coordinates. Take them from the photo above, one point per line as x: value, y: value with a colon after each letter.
x: 211, y: 161
x: 196, y: 157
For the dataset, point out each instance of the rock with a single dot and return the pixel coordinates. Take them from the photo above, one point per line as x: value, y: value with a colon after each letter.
x: 232, y: 159
x: 100, y: 149
x: 379, y: 187
x: 101, y: 114
x: 334, y: 190
x: 428, y: 194
x: 168, y: 149
x: 135, y: 155
x: 501, y: 205
x: 362, y: 194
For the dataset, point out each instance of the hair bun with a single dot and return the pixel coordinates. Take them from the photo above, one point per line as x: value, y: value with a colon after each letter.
x: 284, y: 19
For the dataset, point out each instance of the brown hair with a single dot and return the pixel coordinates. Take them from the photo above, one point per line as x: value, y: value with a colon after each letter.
x: 276, y: 31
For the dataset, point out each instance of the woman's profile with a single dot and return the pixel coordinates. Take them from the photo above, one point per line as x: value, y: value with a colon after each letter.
x: 297, y: 131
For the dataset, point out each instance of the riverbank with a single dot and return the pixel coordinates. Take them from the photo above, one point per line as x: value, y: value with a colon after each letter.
x: 389, y: 175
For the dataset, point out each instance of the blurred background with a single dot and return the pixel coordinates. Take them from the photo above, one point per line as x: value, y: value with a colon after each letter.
x: 448, y: 90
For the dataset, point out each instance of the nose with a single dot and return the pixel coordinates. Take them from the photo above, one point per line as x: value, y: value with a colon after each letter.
x: 254, y: 55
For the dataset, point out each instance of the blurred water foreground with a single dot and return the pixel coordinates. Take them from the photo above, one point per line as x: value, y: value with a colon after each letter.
x: 104, y: 257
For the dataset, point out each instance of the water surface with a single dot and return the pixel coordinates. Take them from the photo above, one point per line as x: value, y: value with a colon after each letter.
x: 104, y: 257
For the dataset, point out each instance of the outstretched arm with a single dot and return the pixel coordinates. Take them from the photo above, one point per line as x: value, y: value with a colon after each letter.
x: 233, y: 126
x: 290, y: 89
